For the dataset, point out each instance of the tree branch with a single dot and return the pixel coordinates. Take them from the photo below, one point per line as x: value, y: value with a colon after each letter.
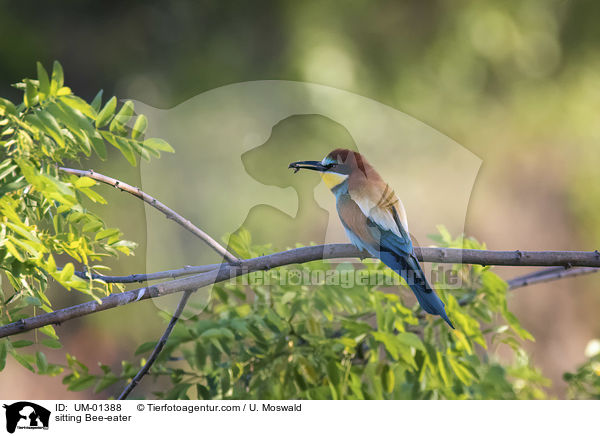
x: 158, y: 348
x: 301, y: 255
x: 169, y: 213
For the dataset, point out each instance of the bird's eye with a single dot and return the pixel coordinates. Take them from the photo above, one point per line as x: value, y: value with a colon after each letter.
x: 331, y: 165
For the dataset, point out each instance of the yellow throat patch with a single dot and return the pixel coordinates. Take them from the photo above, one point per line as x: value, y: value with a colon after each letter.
x: 333, y: 179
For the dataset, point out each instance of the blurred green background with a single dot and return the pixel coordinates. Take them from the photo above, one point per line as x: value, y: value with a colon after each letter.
x: 517, y: 83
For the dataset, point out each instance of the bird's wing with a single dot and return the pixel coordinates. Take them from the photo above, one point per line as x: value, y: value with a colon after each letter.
x: 378, y: 202
x: 380, y: 229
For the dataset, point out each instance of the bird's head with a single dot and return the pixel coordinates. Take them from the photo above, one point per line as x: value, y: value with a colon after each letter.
x: 335, y: 168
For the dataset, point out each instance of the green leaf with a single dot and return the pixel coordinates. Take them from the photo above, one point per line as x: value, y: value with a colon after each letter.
x: 442, y: 368
x: 515, y: 325
x: 178, y: 392
x: 93, y: 195
x: 123, y: 145
x: 21, y: 343
x: 158, y: 144
x: 217, y: 333
x: 389, y: 342
x: 52, y: 343
x: 44, y: 81
x: 80, y: 105
x: 65, y: 90
x: 36, y: 123
x: 41, y: 362
x: 67, y: 272
x: 445, y: 234
x: 460, y: 371
x: 7, y: 169
x: 125, y: 113
x: 25, y: 359
x: 146, y: 150
x: 107, y: 233
x: 13, y: 250
x: 98, y: 145
x: 26, y: 246
x: 18, y: 183
x: 48, y: 330
x: 411, y: 340
x: 142, y: 151
x: 97, y: 101
x: 333, y: 373
x: 74, y: 119
x: 145, y: 347
x: 57, y: 78
x: 51, y: 127
x: 84, y: 182
x: 30, y: 94
x: 82, y: 383
x: 388, y: 379
x: 92, y: 226
x: 3, y: 352
x: 7, y: 107
x: 139, y: 127
x: 74, y: 364
x: 106, y: 113
x: 126, y: 150
x: 68, y: 117
x: 105, y: 382
x: 85, y: 145
x: 22, y: 230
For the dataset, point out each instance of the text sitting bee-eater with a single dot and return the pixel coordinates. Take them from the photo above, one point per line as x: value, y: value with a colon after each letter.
x: 374, y: 219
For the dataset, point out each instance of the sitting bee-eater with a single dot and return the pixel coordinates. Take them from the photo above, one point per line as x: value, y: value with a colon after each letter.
x: 374, y: 219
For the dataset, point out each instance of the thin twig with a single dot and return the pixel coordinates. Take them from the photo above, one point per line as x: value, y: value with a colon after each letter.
x: 158, y: 348
x: 138, y: 278
x: 297, y: 256
x: 169, y: 213
x: 547, y: 275
x: 539, y: 276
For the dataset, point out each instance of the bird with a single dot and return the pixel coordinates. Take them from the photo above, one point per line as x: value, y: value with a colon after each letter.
x: 374, y: 219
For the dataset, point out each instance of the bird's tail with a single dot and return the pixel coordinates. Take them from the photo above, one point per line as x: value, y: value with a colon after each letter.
x: 409, y: 269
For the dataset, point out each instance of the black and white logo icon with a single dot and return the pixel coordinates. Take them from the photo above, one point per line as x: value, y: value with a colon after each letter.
x: 26, y: 415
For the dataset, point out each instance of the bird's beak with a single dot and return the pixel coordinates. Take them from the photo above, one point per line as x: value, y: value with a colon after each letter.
x: 314, y: 165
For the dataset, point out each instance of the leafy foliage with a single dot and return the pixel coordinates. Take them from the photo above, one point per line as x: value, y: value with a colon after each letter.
x: 42, y: 210
x: 585, y: 382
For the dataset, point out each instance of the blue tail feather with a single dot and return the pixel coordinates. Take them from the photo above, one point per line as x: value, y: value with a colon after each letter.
x: 409, y: 269
x: 397, y: 253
